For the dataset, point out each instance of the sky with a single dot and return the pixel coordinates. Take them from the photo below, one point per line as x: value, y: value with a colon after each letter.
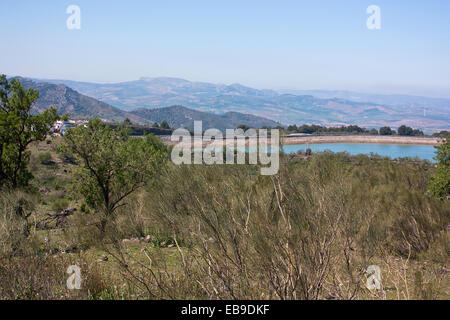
x: 322, y: 44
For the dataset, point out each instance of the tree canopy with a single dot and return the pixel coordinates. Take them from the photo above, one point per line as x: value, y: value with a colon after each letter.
x: 18, y: 128
x: 440, y: 181
x: 408, y: 131
x: 165, y: 125
x: 386, y: 131
x: 113, y: 165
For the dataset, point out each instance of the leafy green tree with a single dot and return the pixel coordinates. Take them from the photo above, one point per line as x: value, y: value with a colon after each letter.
x: 113, y: 165
x: 353, y: 129
x: 243, y: 127
x: 386, y: 131
x: 127, y: 122
x: 155, y: 125
x: 18, y: 128
x: 442, y: 134
x: 165, y: 125
x: 311, y: 129
x: 440, y: 181
x: 405, y: 131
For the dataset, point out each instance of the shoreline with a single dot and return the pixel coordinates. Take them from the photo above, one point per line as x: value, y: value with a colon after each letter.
x: 362, y: 139
x: 431, y: 141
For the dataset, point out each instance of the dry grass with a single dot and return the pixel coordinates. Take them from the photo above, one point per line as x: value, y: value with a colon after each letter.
x: 225, y: 232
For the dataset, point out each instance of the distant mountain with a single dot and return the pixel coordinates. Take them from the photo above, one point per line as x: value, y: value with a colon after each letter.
x: 401, y: 100
x: 164, y: 92
x: 287, y: 108
x: 179, y: 116
x: 67, y: 100
x: 78, y: 106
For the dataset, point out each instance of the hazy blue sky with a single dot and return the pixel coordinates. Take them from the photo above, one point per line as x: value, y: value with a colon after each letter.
x: 321, y: 44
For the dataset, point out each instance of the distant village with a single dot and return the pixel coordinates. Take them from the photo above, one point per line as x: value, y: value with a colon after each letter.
x: 61, y: 126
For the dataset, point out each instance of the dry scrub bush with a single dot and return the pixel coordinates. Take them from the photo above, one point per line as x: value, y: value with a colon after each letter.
x: 309, y: 232
x: 16, y: 208
x: 412, y: 218
x: 33, y: 278
x: 242, y: 236
x: 44, y: 277
x: 406, y: 279
x: 25, y: 271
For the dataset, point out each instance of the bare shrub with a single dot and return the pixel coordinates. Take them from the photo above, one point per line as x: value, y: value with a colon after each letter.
x: 16, y: 208
x: 252, y: 237
x: 33, y: 278
x: 309, y: 232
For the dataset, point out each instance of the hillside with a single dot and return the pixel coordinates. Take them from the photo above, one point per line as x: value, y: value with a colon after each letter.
x: 79, y: 106
x: 76, y: 105
x: 179, y: 116
x: 386, y: 99
x: 287, y: 108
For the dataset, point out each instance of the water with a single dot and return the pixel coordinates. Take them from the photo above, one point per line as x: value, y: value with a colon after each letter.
x: 394, y: 151
x: 423, y: 152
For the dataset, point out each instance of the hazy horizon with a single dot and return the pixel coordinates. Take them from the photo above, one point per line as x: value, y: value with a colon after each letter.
x: 281, y: 90
x: 296, y: 45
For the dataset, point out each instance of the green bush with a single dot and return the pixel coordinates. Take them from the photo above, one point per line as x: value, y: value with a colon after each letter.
x: 45, y: 158
x: 60, y: 204
x: 440, y: 181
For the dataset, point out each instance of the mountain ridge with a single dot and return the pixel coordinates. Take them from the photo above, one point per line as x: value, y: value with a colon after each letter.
x: 79, y: 106
x: 283, y: 107
x: 68, y: 100
x: 180, y: 116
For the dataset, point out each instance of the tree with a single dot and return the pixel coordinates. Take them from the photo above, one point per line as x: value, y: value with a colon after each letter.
x: 440, y: 181
x: 165, y: 125
x: 155, y: 125
x: 386, y: 131
x: 308, y: 151
x: 127, y: 122
x: 442, y: 134
x: 243, y: 127
x: 19, y: 128
x: 353, y: 129
x: 311, y: 129
x: 405, y: 131
x: 113, y: 165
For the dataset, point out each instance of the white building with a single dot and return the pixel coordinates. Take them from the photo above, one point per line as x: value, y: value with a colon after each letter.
x: 60, y: 126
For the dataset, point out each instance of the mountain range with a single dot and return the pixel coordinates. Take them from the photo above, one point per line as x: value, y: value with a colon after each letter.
x: 67, y: 100
x: 387, y: 99
x: 330, y: 108
x: 179, y: 116
x: 79, y: 106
